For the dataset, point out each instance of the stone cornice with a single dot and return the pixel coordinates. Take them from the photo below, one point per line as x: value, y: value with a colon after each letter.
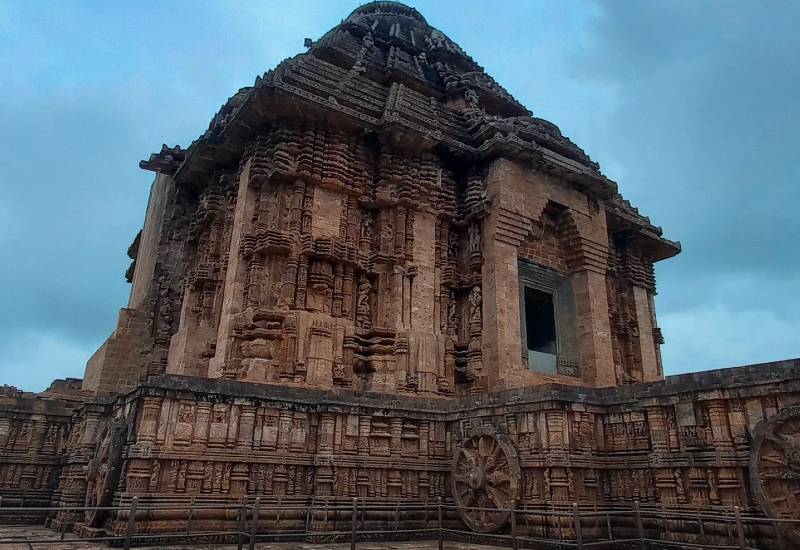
x: 746, y: 381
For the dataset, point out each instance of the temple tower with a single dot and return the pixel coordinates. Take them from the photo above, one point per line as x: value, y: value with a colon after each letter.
x: 379, y: 214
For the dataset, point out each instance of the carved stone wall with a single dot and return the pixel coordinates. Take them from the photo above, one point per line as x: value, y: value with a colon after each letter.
x: 222, y: 441
x: 705, y: 442
x: 330, y: 260
x: 33, y: 439
x: 536, y: 218
x: 635, y: 335
x: 683, y: 442
x: 325, y: 261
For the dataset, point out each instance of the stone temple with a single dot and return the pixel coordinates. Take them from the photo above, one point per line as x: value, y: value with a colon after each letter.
x: 377, y: 275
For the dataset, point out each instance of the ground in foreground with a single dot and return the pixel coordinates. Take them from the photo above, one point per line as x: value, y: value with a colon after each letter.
x: 30, y: 533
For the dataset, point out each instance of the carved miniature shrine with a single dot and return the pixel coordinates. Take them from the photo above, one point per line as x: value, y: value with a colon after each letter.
x: 377, y: 275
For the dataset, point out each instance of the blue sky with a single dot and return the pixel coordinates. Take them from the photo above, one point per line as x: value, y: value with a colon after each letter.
x: 692, y: 106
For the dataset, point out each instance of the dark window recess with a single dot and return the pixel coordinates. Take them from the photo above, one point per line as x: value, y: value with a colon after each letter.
x: 540, y: 330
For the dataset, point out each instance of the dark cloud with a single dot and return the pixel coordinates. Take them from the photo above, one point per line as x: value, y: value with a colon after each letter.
x: 704, y: 132
x: 690, y: 105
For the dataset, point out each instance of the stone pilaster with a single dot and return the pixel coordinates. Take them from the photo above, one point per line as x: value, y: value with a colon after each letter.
x: 235, y: 280
x: 594, y: 334
x: 647, y: 345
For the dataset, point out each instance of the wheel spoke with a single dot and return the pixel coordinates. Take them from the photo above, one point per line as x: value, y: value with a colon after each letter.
x: 781, y: 461
x: 499, y: 477
x: 497, y: 497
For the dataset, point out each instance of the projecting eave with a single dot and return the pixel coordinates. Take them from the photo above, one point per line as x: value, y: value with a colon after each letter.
x: 167, y: 161
x: 633, y: 226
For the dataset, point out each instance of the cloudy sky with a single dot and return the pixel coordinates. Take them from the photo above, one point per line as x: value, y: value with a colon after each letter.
x: 691, y: 106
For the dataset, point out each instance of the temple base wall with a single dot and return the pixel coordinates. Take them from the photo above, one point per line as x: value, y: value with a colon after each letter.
x: 33, y: 436
x: 689, y: 442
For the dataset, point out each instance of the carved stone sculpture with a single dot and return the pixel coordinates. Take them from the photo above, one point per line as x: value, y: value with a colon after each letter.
x: 104, y: 470
x: 363, y: 304
x: 475, y: 314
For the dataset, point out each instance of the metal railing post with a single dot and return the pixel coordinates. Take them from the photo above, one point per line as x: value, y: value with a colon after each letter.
x: 701, y: 527
x: 439, y: 522
x: 739, y: 529
x: 254, y: 523
x: 779, y: 535
x: 576, y: 517
x: 514, y: 544
x: 131, y: 522
x: 242, y: 522
x: 639, y: 527
x: 354, y: 522
x: 189, y: 518
x: 249, y: 517
x: 309, y: 506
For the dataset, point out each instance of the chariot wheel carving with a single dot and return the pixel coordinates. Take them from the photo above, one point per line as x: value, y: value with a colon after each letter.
x: 103, y: 471
x: 486, y: 480
x: 775, y: 468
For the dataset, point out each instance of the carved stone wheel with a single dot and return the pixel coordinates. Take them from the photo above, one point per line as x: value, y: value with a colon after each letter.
x: 775, y: 468
x: 103, y: 471
x: 486, y: 475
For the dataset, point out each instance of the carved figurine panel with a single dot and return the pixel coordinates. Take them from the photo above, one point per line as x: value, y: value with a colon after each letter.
x: 330, y: 261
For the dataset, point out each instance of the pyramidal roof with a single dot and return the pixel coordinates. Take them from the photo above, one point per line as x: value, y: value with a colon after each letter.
x: 406, y: 47
x: 385, y: 70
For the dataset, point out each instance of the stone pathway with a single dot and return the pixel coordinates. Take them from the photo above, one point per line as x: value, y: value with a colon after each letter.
x: 40, y: 533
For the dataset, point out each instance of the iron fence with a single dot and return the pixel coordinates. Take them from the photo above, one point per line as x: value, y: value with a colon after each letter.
x: 559, y: 526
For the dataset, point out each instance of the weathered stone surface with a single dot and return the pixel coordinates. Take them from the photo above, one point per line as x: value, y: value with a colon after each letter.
x: 373, y: 242
x: 329, y: 302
